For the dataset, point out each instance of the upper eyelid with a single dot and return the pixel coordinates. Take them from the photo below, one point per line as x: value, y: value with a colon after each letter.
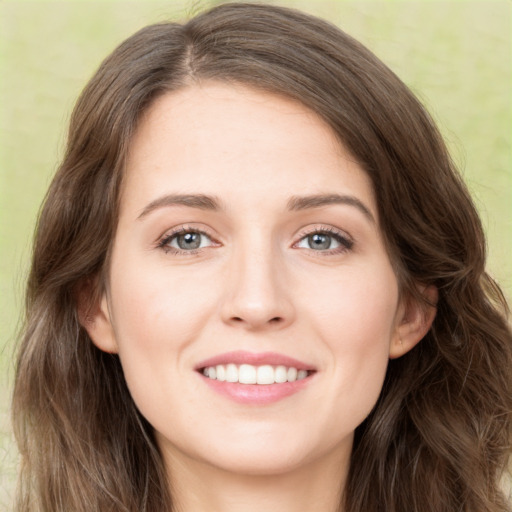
x: 322, y: 228
x: 185, y: 228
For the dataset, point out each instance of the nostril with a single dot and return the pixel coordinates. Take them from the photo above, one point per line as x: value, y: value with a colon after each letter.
x: 274, y: 320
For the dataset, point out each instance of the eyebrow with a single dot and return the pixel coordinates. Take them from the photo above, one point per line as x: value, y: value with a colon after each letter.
x: 201, y: 201
x: 298, y: 203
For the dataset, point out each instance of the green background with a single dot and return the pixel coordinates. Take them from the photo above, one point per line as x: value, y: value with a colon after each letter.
x: 455, y: 55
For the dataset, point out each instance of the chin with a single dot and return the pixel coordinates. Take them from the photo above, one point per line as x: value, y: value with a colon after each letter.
x: 261, y: 463
x: 269, y: 453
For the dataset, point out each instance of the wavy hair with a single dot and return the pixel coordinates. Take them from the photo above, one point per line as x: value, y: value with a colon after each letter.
x: 439, y: 437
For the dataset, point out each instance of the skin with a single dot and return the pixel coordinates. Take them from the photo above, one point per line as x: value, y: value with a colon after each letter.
x: 255, y: 284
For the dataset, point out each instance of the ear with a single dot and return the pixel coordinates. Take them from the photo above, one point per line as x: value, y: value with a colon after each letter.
x: 94, y: 316
x: 414, y: 319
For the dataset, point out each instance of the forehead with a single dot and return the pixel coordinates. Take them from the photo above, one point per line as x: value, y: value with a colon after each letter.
x: 228, y: 140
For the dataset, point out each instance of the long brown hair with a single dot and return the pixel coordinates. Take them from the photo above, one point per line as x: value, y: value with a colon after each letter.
x: 438, y: 438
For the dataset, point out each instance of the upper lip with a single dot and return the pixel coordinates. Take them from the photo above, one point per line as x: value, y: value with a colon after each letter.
x: 254, y: 358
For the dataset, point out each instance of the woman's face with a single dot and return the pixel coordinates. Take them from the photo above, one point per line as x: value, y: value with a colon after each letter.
x: 248, y: 248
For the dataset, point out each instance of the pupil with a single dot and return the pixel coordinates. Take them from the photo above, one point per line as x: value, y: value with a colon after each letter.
x: 189, y: 241
x: 319, y: 241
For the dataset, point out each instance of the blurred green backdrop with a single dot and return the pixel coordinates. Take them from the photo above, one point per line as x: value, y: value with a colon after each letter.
x: 455, y: 55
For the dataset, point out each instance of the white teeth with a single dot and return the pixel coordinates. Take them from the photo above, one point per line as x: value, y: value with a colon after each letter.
x: 249, y: 374
x: 231, y: 373
x: 301, y: 374
x: 265, y: 375
x: 291, y: 374
x: 221, y: 372
x: 281, y: 374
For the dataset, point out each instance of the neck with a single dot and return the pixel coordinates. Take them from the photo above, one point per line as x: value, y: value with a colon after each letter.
x: 196, y: 487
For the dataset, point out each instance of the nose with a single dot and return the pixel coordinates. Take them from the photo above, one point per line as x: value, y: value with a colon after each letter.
x: 257, y: 295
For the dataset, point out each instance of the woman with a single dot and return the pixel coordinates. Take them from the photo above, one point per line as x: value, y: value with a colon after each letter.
x: 259, y: 281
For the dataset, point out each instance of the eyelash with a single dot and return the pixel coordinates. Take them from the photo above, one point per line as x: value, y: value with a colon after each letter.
x: 164, y: 242
x: 346, y: 243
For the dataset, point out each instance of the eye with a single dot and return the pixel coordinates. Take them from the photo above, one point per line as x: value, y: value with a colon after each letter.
x: 325, y: 241
x: 186, y: 240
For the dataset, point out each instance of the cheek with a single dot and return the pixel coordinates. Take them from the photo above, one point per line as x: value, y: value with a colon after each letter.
x: 356, y: 321
x: 156, y: 319
x: 157, y: 316
x: 159, y: 306
x: 354, y: 309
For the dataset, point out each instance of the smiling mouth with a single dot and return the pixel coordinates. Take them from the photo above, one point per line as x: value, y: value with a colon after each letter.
x: 250, y: 374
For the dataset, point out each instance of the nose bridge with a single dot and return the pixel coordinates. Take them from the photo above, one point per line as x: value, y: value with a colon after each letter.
x: 257, y: 295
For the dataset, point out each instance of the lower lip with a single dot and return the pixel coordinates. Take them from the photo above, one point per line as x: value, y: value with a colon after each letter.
x: 256, y: 394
